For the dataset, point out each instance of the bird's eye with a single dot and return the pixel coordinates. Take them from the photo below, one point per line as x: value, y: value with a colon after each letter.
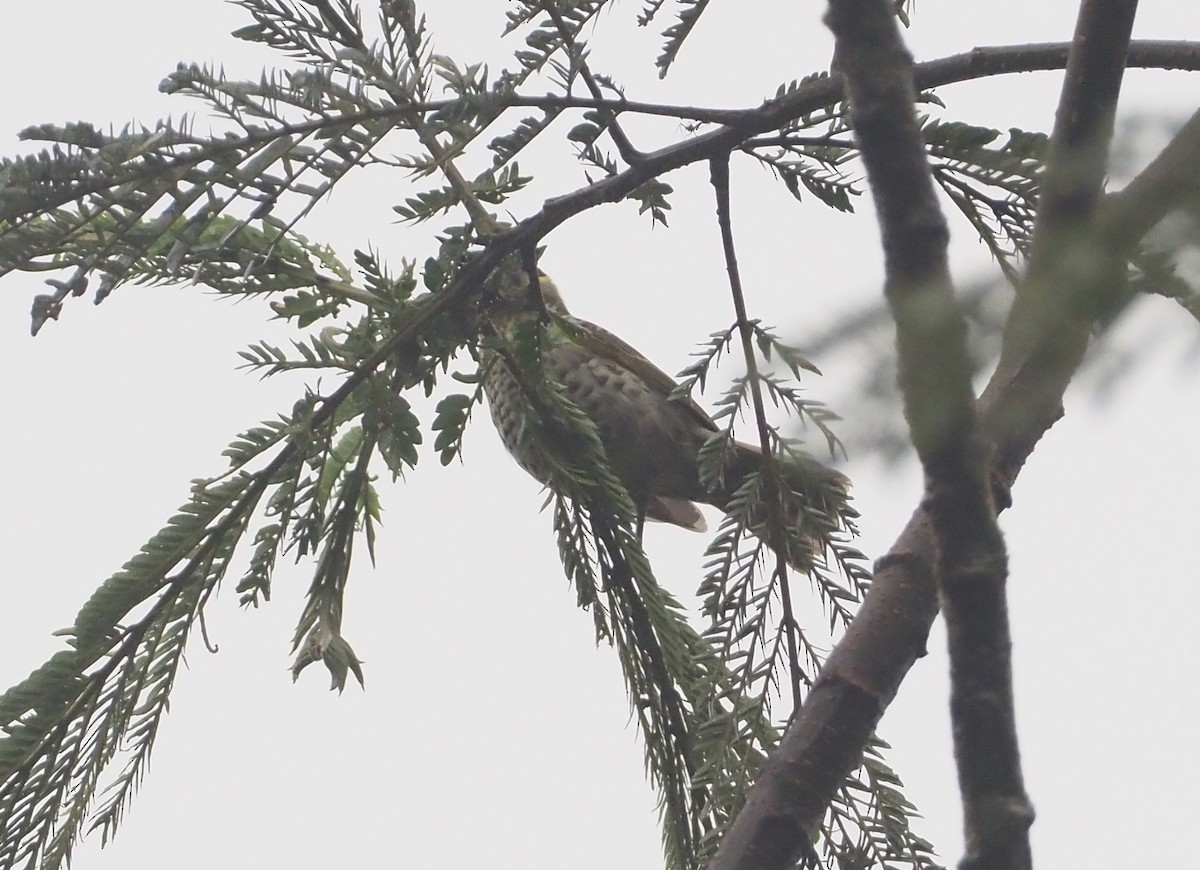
x: 513, y: 287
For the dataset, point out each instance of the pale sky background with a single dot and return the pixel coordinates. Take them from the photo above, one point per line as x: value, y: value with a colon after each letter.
x: 492, y: 732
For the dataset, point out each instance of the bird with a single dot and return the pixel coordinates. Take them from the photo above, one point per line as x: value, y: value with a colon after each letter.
x: 652, y: 434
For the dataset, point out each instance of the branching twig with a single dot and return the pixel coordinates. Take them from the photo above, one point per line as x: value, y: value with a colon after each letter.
x: 630, y: 154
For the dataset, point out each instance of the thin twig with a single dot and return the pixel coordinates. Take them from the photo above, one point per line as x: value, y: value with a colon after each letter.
x: 630, y: 154
x: 770, y: 473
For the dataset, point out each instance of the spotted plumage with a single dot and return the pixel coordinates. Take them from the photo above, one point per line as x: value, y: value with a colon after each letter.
x: 652, y: 439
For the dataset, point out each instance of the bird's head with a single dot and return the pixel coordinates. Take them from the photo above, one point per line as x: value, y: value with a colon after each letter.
x: 513, y: 296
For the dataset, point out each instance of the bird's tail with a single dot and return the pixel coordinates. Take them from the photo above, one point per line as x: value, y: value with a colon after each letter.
x: 814, y: 500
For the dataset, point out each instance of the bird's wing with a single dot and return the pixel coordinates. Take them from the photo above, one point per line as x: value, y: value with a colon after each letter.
x: 601, y: 342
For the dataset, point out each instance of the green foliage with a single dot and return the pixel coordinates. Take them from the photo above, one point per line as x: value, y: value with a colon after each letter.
x: 165, y: 204
x: 670, y: 671
x: 994, y: 188
x: 509, y: 145
x: 453, y: 414
x: 687, y: 16
x: 742, y: 596
x: 66, y: 722
x: 544, y: 38
x: 491, y: 187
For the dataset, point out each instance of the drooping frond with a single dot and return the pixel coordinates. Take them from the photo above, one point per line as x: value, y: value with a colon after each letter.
x: 67, y: 721
x: 304, y: 479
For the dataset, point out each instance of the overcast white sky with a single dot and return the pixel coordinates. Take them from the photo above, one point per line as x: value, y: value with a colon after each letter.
x: 492, y: 731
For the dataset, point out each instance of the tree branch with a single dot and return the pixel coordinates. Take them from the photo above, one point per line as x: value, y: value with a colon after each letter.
x: 628, y: 153
x: 1073, y: 274
x: 744, y: 123
x: 719, y: 173
x: 865, y: 669
x: 935, y: 378
x: 1168, y: 183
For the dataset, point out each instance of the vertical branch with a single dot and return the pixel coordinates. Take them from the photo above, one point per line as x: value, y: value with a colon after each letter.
x: 935, y: 379
x: 719, y: 169
x: 1083, y: 123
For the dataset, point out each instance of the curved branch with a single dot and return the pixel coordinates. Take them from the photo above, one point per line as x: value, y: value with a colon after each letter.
x: 982, y: 62
x: 977, y: 63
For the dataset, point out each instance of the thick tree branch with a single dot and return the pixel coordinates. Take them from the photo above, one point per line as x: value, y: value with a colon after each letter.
x: 1003, y: 59
x: 865, y: 669
x: 935, y: 379
x: 1074, y: 274
x: 1168, y: 183
x: 935, y: 375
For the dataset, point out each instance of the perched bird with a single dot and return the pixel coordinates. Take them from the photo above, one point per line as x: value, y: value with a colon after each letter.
x: 651, y: 438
